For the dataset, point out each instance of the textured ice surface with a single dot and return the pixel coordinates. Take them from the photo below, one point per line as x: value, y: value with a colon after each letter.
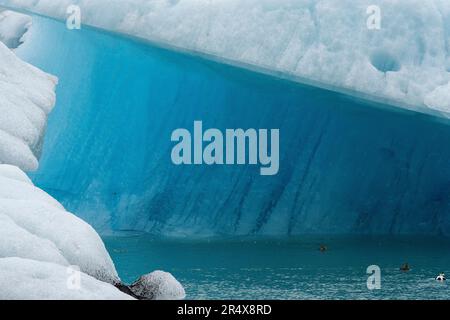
x: 12, y: 172
x: 27, y: 279
x: 39, y: 240
x: 158, y: 285
x: 13, y: 27
x: 319, y: 40
x: 26, y: 97
x: 439, y: 98
x: 35, y: 226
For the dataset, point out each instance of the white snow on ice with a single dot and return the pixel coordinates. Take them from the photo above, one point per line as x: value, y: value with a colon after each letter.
x: 321, y: 41
x: 67, y: 238
x: 39, y: 240
x: 159, y: 285
x: 439, y: 98
x: 26, y: 97
x: 24, y: 279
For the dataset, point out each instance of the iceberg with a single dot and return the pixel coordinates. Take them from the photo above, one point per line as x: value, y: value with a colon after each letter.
x: 326, y: 42
x: 39, y: 240
x: 346, y: 165
x: 34, y: 220
x: 26, y: 98
x: 158, y: 285
x: 34, y: 228
x: 439, y: 98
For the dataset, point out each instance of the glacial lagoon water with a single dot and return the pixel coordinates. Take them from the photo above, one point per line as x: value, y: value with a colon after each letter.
x: 289, y: 268
x: 347, y: 166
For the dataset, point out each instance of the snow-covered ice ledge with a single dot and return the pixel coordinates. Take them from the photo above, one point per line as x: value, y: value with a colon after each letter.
x: 326, y: 42
x: 41, y: 244
x: 39, y: 240
x: 26, y: 97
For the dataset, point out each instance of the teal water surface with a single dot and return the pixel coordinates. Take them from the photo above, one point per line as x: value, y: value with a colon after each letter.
x: 289, y: 268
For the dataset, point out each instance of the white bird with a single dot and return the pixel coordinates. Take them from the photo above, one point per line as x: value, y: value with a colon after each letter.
x: 441, y: 277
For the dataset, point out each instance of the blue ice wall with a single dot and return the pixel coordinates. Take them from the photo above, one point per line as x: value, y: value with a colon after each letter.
x: 347, y: 166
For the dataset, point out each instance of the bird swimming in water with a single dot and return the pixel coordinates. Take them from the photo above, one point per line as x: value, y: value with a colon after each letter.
x: 405, y: 267
x: 441, y: 277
